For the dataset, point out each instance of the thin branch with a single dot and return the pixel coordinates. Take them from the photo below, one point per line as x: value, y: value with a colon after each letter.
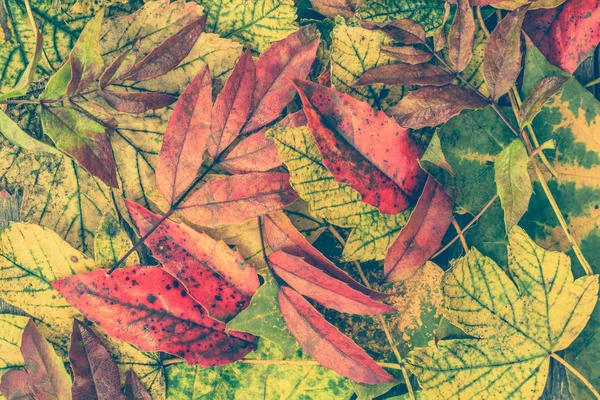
x: 576, y: 373
x: 460, y: 235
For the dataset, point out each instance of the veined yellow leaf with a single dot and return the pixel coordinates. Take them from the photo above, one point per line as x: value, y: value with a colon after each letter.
x: 111, y: 243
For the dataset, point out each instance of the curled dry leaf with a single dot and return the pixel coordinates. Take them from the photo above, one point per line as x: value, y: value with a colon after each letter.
x: 431, y: 106
x: 538, y: 96
x: 461, y: 36
x: 312, y: 282
x: 422, y: 235
x: 502, y: 57
x: 407, y: 54
x: 134, y: 390
x: 406, y: 74
x: 212, y: 273
x: 325, y: 343
x: 404, y: 31
x: 147, y: 307
x: 236, y: 198
x: 355, y: 142
x: 137, y: 103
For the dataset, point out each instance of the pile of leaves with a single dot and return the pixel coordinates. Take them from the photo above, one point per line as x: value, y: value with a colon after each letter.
x: 277, y: 199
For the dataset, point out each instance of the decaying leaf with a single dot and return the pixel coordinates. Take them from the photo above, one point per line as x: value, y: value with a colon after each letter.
x: 539, y: 95
x: 461, y: 36
x: 406, y: 74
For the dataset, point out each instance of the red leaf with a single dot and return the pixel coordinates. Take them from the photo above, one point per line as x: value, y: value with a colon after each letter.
x: 148, y: 308
x: 325, y: 343
x: 185, y: 139
x: 255, y: 153
x: 290, y: 58
x: 406, y: 74
x: 236, y: 198
x: 422, y: 236
x: 363, y: 148
x: 294, y: 120
x: 212, y: 273
x: 96, y: 374
x: 16, y: 385
x: 281, y: 234
x: 566, y: 37
x: 502, y: 56
x: 312, y: 282
x: 232, y: 107
x: 169, y: 54
x: 137, y: 103
x: 134, y: 390
x: 461, y: 36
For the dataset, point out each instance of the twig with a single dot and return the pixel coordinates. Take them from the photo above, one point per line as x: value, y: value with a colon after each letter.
x: 576, y: 373
x: 460, y: 235
x: 592, y: 83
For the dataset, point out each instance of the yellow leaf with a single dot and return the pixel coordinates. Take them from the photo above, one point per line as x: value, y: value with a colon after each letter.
x: 111, y: 243
x: 513, y: 4
x: 11, y: 327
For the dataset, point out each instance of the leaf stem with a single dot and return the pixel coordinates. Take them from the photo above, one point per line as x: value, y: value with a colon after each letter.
x: 384, y: 324
x: 576, y: 373
x: 460, y: 235
x: 593, y: 83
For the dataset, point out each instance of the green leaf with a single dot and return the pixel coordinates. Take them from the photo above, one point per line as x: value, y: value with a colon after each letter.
x: 263, y: 317
x: 338, y: 203
x: 428, y: 13
x: 516, y: 322
x: 56, y: 87
x: 512, y: 181
x: 86, y: 62
x: 13, y: 132
x: 255, y: 23
x: 111, y: 243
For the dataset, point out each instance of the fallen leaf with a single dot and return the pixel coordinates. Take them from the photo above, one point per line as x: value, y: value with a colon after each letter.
x: 461, y: 36
x: 255, y: 153
x: 16, y: 385
x: 137, y: 103
x: 405, y: 31
x: 331, y: 8
x: 111, y: 243
x: 406, y: 74
x: 540, y: 94
x: 407, y: 54
x: 85, y: 60
x: 428, y: 14
x: 535, y: 5
x: 134, y: 390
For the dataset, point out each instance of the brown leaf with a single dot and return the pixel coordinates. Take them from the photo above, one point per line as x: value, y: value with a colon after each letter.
x: 439, y: 36
x: 16, y: 385
x: 331, y: 8
x: 422, y: 236
x: 134, y: 390
x: 432, y: 106
x: 312, y: 282
x: 404, y: 31
x: 502, y: 55
x: 288, y: 59
x: 406, y: 74
x: 407, y: 54
x: 461, y: 36
x: 137, y: 103
x: 169, y: 54
x: 538, y: 96
x: 96, y: 374
x: 236, y: 198
x: 255, y: 153
x: 325, y: 343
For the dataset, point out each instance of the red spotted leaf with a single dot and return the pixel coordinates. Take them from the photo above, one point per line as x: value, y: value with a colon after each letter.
x: 407, y: 54
x: 96, y: 374
x: 422, y: 236
x: 169, y: 54
x: 236, y: 198
x: 406, y: 74
x: 255, y: 153
x: 134, y: 390
x: 404, y: 31
x: 213, y: 274
x: 568, y: 35
x: 185, y: 139
x: 232, y: 107
x: 325, y: 343
x: 147, y: 307
x: 312, y: 282
x: 281, y: 234
x: 137, y: 103
x: 461, y: 36
x: 363, y: 148
x: 290, y: 58
x: 16, y: 385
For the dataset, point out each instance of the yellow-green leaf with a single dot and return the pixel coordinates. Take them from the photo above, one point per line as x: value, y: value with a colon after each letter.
x: 85, y: 59
x: 516, y: 323
x: 11, y: 327
x: 513, y: 4
x: 111, y: 243
x: 428, y: 13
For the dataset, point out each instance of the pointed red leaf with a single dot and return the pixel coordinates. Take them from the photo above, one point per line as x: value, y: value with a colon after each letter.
x: 406, y: 74
x: 312, y: 282
x: 290, y: 58
x: 137, y: 103
x: 169, y: 54
x: 363, y: 148
x: 134, y: 390
x: 281, y: 234
x: 147, y: 307
x: 236, y: 198
x: 16, y: 385
x: 255, y: 153
x: 232, y: 107
x: 96, y: 374
x: 422, y: 236
x: 185, y: 139
x: 212, y: 273
x: 568, y: 35
x: 325, y: 343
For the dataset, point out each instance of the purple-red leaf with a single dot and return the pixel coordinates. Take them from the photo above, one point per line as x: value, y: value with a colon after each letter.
x: 134, y: 390
x: 16, y: 385
x: 404, y: 31
x: 502, y: 55
x: 461, y: 36
x: 96, y: 374
x: 147, y: 307
x: 137, y: 103
x: 422, y: 236
x: 290, y: 58
x: 281, y: 234
x: 325, y: 343
x: 331, y: 8
x: 431, y: 106
x: 169, y: 54
x: 406, y: 74
x: 312, y: 282
x: 232, y: 107
x: 363, y: 148
x: 213, y: 274
x: 236, y: 198
x: 407, y: 54
x: 185, y: 139
x: 255, y: 153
